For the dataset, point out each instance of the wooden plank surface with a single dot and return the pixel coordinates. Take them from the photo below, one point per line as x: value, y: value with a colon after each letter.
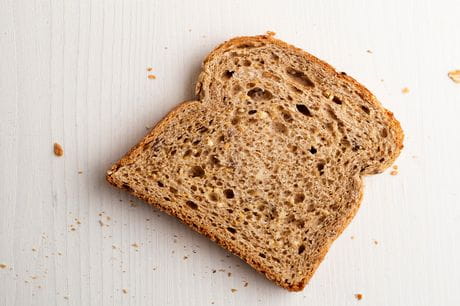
x: 75, y: 72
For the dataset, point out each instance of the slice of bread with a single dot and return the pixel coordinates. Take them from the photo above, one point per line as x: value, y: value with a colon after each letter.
x: 269, y: 161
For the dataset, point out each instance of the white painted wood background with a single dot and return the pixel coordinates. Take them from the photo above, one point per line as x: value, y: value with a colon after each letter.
x: 74, y: 72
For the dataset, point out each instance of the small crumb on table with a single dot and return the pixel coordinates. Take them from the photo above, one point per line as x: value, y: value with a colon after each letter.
x: 395, y: 167
x: 376, y: 242
x: 405, y: 90
x: 58, y: 150
x: 358, y: 296
x: 246, y: 284
x: 151, y: 76
x: 149, y: 68
x: 125, y: 291
x: 394, y: 172
x: 368, y: 51
x: 2, y: 266
x: 233, y: 290
x: 454, y: 75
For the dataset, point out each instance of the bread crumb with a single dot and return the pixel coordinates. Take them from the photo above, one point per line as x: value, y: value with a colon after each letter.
x: 185, y: 257
x: 34, y: 249
x: 114, y: 246
x: 395, y: 167
x: 135, y: 245
x: 66, y: 297
x: 369, y: 51
x: 80, y: 172
x: 229, y: 274
x: 58, y: 150
x: 376, y: 242
x: 151, y: 77
x: 352, y: 237
x: 101, y: 223
x: 405, y: 90
x: 271, y: 33
x: 233, y: 290
x: 358, y: 296
x: 3, y: 266
x: 246, y: 284
x: 454, y: 75
x: 394, y: 172
x: 125, y: 291
x: 149, y: 68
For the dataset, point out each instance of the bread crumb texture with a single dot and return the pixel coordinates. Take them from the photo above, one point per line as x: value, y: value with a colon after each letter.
x: 454, y: 75
x: 268, y: 162
x: 58, y: 150
x: 359, y: 296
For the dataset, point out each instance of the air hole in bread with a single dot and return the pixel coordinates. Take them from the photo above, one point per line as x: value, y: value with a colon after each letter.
x: 231, y: 230
x: 235, y: 121
x: 213, y: 160
x: 300, y: 77
x: 193, y: 187
x: 197, y: 171
x: 191, y: 204
x: 280, y: 128
x: 258, y: 94
x: 172, y: 190
x: 229, y: 193
x: 275, y: 56
x: 252, y: 112
x: 167, y: 199
x: 365, y: 109
x: 127, y: 188
x: 262, y: 255
x: 160, y: 184
x: 303, y: 110
x: 313, y: 150
x: 227, y: 74
x: 337, y: 100
x: 237, y: 88
x: 384, y: 133
x: 299, y: 198
x: 250, y: 85
x: 246, y: 63
x: 246, y: 46
x: 287, y: 117
x: 320, y: 167
x: 301, y: 249
x: 213, y: 197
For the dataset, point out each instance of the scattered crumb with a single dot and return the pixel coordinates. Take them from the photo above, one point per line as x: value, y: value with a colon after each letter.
x: 151, y: 76
x: 381, y: 80
x: 185, y: 257
x: 34, y: 250
x: 66, y: 297
x: 369, y: 51
x: 166, y: 48
x: 405, y: 90
x: 190, y: 30
x: 101, y: 223
x: 229, y: 274
x: 233, y: 290
x: 3, y: 266
x: 58, y: 150
x: 221, y: 270
x: 147, y: 128
x: 114, y: 246
x: 376, y: 242
x: 246, y: 284
x: 352, y: 237
x: 39, y: 287
x: 394, y: 172
x: 214, y: 271
x: 108, y: 218
x: 454, y: 75
x: 132, y: 203
x: 271, y: 33
x: 149, y: 68
x: 135, y: 245
x: 125, y: 291
x: 73, y: 229
x: 395, y: 167
x: 59, y: 253
x: 147, y: 219
x: 33, y: 277
x: 80, y: 172
x: 358, y: 296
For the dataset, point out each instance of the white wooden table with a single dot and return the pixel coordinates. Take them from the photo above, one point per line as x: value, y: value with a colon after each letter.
x: 74, y: 72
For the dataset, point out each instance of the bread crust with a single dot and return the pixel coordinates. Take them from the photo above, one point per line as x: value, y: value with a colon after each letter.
x: 160, y: 126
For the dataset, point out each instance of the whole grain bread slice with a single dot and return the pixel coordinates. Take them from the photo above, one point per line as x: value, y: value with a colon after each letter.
x: 269, y: 161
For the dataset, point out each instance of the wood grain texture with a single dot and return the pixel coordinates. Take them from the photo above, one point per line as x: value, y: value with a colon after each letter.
x: 74, y: 72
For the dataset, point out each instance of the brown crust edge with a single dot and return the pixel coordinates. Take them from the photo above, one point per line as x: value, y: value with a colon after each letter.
x: 133, y: 153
